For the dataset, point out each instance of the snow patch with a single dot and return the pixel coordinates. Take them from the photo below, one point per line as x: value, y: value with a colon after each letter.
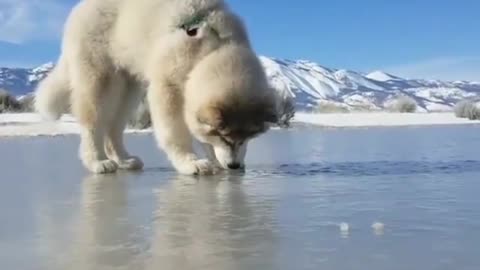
x: 381, y: 76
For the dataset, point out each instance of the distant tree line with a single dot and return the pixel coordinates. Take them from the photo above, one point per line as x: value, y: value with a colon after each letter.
x: 398, y: 104
x: 141, y: 117
x: 286, y: 111
x: 10, y: 104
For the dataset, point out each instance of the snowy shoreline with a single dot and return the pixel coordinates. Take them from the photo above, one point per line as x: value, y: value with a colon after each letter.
x: 31, y: 125
x: 380, y: 119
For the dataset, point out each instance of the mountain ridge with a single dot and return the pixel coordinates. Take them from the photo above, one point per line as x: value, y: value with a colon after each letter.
x: 310, y: 84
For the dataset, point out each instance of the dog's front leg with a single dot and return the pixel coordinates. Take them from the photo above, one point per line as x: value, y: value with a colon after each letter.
x: 171, y: 132
x: 210, y: 152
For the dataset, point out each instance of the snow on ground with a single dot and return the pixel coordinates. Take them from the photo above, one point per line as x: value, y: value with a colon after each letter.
x: 380, y: 119
x: 29, y: 124
x: 381, y: 76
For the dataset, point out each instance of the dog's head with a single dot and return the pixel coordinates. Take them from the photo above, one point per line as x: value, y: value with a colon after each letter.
x: 228, y: 101
x: 229, y: 126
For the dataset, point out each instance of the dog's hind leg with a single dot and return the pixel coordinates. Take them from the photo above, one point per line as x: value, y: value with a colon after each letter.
x: 93, y: 97
x: 131, y: 95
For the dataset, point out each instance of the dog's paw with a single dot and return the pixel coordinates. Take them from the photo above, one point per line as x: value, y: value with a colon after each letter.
x: 197, y: 167
x: 131, y: 164
x: 103, y: 166
x: 205, y: 167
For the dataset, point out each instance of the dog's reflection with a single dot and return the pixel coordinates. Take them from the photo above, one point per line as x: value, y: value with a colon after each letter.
x: 198, y: 223
x: 103, y: 239
x: 209, y: 223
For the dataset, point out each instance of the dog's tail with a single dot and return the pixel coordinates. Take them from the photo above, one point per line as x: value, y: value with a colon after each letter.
x: 52, y: 96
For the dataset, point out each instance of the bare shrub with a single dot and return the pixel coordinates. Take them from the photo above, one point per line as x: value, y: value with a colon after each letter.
x: 27, y: 103
x: 329, y: 107
x: 403, y: 104
x: 8, y: 103
x: 286, y: 111
x: 363, y: 108
x: 468, y: 109
x: 460, y: 108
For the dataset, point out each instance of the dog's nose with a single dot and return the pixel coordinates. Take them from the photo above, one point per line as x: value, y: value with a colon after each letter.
x: 234, y: 166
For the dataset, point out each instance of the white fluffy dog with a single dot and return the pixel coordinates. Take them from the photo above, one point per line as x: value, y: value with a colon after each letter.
x: 202, y: 78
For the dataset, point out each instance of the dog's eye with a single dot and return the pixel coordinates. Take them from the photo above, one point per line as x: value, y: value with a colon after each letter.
x: 192, y: 32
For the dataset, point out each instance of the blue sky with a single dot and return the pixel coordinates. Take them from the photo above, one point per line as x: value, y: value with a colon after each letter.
x: 427, y: 39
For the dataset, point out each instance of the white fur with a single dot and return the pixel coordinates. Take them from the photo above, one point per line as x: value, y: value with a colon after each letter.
x: 52, y: 93
x: 227, y: 156
x: 111, y: 47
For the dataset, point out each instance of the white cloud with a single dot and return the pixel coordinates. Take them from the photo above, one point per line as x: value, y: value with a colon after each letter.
x: 25, y: 20
x: 445, y: 68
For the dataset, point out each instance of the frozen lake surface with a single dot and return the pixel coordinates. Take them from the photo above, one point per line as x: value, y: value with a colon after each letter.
x: 379, y: 198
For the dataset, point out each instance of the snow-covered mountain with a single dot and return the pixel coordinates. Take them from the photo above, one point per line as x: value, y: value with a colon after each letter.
x: 310, y: 83
x: 21, y: 81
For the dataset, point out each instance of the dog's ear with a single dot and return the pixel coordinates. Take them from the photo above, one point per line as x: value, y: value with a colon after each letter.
x: 210, y: 116
x: 270, y: 116
x: 267, y: 111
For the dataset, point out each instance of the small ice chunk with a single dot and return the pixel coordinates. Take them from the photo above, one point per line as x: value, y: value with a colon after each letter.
x: 378, y: 228
x: 344, y: 230
x: 344, y: 227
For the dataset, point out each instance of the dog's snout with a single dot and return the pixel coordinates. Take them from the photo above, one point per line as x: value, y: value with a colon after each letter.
x: 234, y: 166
